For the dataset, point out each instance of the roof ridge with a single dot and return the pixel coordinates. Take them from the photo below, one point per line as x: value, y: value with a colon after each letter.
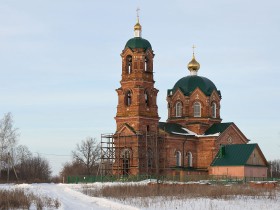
x: 217, y: 128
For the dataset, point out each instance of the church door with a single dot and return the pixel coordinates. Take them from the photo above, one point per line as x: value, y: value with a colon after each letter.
x: 126, y: 162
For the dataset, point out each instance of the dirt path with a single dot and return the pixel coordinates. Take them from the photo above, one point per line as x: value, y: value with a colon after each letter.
x: 74, y: 200
x: 70, y: 198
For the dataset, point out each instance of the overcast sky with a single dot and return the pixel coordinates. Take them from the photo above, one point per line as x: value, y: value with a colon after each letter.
x: 60, y: 64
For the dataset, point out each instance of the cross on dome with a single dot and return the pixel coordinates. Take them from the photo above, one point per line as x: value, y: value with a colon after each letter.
x: 137, y: 27
x: 137, y: 11
x: 193, y: 48
x: 193, y: 65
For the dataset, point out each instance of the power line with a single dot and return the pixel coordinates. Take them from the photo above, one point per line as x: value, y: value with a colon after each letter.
x: 53, y: 154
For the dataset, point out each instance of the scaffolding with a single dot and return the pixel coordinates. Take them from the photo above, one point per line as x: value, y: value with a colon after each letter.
x: 137, y: 154
x: 107, y: 155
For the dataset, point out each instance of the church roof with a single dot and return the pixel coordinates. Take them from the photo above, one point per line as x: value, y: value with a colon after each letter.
x: 217, y: 128
x: 138, y: 42
x: 189, y: 83
x: 234, y: 155
x: 173, y: 128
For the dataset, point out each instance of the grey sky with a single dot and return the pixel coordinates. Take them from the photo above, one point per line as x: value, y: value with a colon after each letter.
x: 60, y: 64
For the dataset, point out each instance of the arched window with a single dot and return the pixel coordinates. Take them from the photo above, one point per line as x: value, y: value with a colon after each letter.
x: 146, y: 64
x: 190, y: 163
x: 128, y: 97
x: 146, y: 98
x: 129, y: 64
x: 197, y: 109
x: 178, y: 158
x: 214, y: 110
x: 125, y: 161
x: 178, y: 109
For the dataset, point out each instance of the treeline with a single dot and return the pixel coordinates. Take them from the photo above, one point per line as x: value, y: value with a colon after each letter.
x: 274, y: 168
x: 17, y: 163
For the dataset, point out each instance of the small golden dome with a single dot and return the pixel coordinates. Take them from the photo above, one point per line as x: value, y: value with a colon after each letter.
x: 193, y: 65
x: 137, y: 26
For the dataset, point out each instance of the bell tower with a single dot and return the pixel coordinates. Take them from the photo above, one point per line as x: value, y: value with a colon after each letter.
x: 137, y: 112
x: 137, y: 106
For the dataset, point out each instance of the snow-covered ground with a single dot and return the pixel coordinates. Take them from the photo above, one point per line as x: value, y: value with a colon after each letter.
x: 71, y: 198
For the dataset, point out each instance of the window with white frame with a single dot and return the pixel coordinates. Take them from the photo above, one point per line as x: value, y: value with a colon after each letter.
x: 190, y: 163
x: 214, y: 110
x: 197, y: 109
x: 178, y: 158
x: 178, y: 109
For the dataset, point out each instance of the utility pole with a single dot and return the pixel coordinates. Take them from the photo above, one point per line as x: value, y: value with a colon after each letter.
x: 271, y: 170
x: 0, y: 166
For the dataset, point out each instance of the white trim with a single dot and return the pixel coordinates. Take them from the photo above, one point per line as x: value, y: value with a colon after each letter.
x: 137, y: 33
x: 196, y: 135
x: 192, y: 72
x: 189, y: 131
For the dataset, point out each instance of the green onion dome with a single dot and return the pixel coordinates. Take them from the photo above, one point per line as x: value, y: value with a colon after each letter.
x: 189, y: 83
x: 138, y: 42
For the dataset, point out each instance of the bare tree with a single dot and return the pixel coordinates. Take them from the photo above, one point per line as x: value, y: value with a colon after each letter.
x: 21, y: 154
x: 8, y: 134
x: 87, y: 153
x: 8, y: 137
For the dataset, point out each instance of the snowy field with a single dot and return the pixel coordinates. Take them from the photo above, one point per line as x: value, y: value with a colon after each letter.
x: 71, y: 198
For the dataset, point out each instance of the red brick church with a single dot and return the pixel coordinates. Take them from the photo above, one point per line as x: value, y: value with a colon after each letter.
x: 193, y: 140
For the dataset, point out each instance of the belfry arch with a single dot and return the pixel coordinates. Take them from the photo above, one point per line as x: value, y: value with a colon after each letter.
x: 128, y: 64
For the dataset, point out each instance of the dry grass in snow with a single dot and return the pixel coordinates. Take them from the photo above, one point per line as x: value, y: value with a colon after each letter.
x: 187, y: 196
x: 19, y: 199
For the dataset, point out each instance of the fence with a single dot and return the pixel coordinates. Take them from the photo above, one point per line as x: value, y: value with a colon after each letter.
x: 188, y: 178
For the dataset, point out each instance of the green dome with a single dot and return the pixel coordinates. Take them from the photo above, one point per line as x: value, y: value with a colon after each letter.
x: 189, y: 83
x: 138, y: 42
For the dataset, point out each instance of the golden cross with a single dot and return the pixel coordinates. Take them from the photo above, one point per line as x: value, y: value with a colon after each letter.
x: 193, y: 48
x: 137, y: 10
